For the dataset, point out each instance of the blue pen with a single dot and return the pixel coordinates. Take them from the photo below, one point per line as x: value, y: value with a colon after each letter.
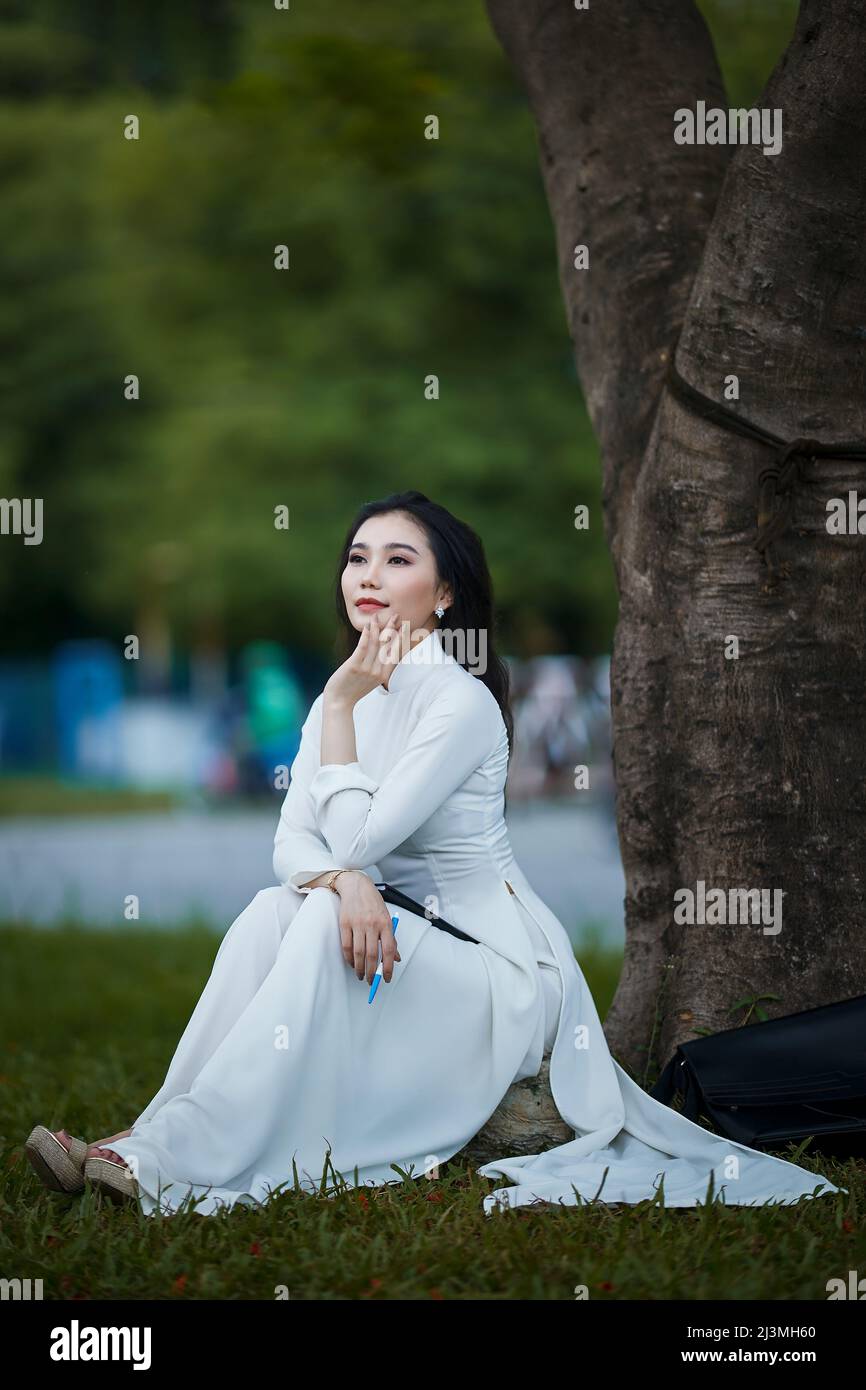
x: 378, y: 975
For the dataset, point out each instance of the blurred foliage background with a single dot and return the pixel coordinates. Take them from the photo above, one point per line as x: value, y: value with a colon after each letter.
x: 302, y: 387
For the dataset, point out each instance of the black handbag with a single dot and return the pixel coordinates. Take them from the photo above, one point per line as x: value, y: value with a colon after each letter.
x: 393, y: 895
x: 769, y: 1083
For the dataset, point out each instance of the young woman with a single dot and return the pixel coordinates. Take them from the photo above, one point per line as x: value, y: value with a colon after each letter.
x: 286, y: 1074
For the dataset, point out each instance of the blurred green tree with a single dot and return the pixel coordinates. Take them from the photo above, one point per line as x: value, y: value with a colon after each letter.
x: 260, y: 387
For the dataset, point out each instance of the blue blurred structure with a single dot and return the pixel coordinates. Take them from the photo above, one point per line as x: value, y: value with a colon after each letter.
x: 82, y: 713
x: 28, y: 737
x: 88, y: 689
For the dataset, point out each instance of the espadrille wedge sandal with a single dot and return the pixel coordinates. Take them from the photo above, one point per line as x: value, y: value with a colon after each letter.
x: 114, y: 1179
x: 57, y: 1167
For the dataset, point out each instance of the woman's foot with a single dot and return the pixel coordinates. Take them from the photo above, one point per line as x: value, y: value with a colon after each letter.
x: 98, y: 1150
x: 95, y: 1151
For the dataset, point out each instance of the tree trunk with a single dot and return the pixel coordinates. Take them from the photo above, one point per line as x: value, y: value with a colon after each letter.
x: 526, y: 1121
x: 747, y: 772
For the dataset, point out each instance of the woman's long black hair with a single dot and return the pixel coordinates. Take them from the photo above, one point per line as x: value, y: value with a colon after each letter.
x: 461, y: 564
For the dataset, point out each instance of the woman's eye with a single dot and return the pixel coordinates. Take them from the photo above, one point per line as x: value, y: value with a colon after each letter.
x: 401, y: 558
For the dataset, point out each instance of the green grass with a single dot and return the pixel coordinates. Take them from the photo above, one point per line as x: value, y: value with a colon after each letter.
x: 47, y: 795
x: 89, y: 1024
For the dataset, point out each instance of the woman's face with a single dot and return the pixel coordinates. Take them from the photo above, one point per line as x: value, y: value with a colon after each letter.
x: 391, y: 561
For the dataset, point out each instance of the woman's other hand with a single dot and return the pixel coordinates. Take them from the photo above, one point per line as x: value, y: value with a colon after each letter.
x: 365, y: 920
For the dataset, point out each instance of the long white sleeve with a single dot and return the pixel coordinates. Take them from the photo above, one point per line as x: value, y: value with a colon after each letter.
x: 300, y: 851
x: 363, y: 820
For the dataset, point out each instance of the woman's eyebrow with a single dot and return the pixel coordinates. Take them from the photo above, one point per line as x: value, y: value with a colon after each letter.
x: 392, y: 545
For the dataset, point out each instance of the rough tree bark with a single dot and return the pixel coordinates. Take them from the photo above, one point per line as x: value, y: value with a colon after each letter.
x: 749, y: 772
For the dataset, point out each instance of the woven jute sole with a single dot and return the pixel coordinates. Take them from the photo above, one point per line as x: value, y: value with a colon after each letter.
x: 112, y: 1179
x: 59, y: 1169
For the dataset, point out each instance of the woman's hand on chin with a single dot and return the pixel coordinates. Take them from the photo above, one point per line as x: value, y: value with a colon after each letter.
x: 380, y: 647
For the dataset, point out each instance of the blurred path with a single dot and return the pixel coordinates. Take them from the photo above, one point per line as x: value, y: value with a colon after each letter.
x: 213, y: 864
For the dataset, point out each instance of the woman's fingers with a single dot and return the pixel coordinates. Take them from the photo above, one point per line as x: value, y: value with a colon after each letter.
x: 389, y: 949
x: 366, y: 952
x: 368, y: 647
x: 346, y: 941
x: 372, y: 953
x: 360, y: 951
x: 365, y: 927
x: 391, y: 645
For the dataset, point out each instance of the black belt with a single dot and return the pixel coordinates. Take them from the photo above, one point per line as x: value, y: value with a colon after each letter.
x: 393, y: 895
